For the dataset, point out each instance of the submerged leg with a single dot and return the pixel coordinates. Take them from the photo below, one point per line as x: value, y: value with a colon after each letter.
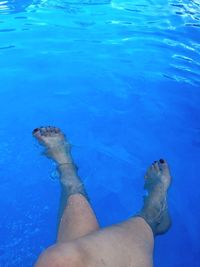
x: 127, y: 244
x: 131, y: 243
x: 76, y: 217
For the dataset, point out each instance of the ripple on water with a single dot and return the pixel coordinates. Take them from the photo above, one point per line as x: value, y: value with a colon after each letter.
x: 169, y: 29
x: 7, y: 47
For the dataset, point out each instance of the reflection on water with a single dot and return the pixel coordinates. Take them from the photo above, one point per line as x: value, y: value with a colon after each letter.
x: 15, y: 5
x: 18, y: 6
x: 168, y: 29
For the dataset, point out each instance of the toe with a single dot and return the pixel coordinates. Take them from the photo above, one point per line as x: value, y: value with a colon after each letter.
x: 163, y: 165
x: 43, y: 131
x: 48, y: 129
x: 156, y: 166
x: 53, y: 130
x: 38, y: 134
x: 57, y: 130
x: 36, y: 131
x: 150, y: 170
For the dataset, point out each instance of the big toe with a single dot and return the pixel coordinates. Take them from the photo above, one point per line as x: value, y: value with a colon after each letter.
x: 163, y: 166
x: 37, y: 132
x: 165, y: 173
x: 40, y: 132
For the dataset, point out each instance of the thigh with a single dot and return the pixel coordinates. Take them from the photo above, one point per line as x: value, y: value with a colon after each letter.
x: 62, y: 255
x: 129, y: 244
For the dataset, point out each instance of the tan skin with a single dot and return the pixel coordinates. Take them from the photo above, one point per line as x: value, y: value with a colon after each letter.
x: 80, y: 241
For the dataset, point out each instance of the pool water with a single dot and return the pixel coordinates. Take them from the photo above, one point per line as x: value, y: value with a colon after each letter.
x: 122, y: 79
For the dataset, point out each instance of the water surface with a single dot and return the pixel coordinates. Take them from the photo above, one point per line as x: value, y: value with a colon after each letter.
x: 122, y: 79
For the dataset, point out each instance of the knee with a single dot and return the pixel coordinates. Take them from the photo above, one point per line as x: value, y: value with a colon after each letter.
x: 62, y: 255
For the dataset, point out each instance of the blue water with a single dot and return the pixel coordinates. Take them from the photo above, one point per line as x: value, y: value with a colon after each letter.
x: 122, y: 79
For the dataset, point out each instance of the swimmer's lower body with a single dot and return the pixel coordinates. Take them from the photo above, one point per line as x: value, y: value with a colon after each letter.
x: 80, y: 241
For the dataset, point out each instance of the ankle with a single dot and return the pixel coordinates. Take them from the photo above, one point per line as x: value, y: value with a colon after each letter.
x: 66, y: 166
x: 73, y: 187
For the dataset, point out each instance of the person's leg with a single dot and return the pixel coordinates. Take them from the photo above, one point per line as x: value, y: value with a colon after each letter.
x: 76, y: 217
x: 127, y: 244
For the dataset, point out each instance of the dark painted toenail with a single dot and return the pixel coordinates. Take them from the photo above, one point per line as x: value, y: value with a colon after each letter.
x: 155, y: 161
x: 162, y: 161
x: 35, y: 130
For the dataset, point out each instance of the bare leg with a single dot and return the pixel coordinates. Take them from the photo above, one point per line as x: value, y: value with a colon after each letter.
x: 131, y: 243
x: 76, y: 217
x: 127, y: 244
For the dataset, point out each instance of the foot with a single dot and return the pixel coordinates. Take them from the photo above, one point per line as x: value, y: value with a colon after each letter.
x: 57, y: 147
x: 155, y: 209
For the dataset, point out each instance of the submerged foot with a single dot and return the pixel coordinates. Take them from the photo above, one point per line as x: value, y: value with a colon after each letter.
x: 57, y: 147
x: 155, y: 209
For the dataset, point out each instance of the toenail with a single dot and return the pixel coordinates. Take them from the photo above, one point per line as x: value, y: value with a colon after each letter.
x: 35, y: 130
x: 155, y: 161
x: 162, y: 161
